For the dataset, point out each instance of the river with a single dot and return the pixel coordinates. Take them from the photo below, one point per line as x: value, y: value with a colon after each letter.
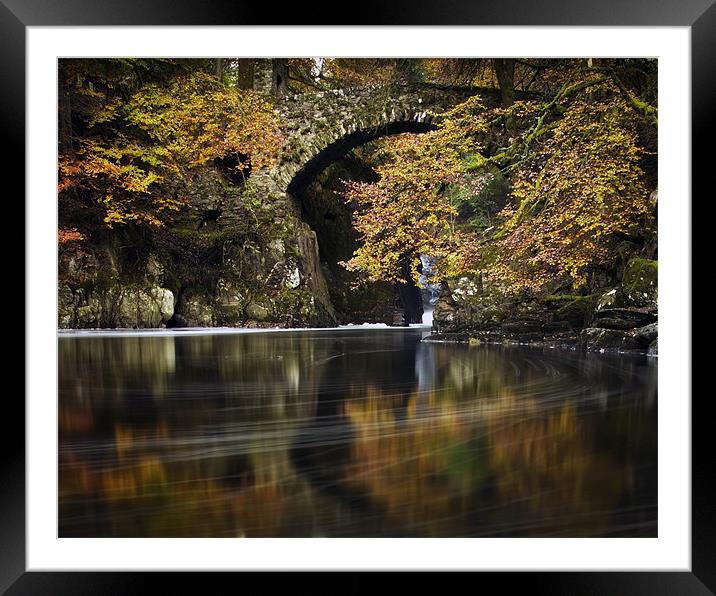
x: 351, y: 432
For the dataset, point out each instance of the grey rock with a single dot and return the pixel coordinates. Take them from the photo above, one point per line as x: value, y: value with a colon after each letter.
x: 646, y: 335
x: 115, y: 306
x: 257, y: 311
x: 594, y: 339
x: 622, y: 318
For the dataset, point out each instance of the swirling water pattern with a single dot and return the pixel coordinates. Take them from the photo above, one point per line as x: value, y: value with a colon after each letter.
x: 351, y: 432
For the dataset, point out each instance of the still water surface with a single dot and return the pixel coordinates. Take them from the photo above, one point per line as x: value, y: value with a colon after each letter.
x: 351, y: 432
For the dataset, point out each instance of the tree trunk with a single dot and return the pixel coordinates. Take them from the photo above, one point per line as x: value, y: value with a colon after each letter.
x: 505, y: 72
x: 219, y: 69
x: 409, y: 297
x: 245, y: 73
x: 279, y: 77
x: 66, y: 146
x: 406, y: 71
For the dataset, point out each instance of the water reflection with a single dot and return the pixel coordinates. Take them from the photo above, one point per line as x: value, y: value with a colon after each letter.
x: 351, y: 433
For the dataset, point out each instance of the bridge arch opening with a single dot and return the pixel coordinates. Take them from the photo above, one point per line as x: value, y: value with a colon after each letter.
x: 342, y: 146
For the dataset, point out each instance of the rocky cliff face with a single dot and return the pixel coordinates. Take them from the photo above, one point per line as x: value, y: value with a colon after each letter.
x: 237, y: 255
x: 230, y: 258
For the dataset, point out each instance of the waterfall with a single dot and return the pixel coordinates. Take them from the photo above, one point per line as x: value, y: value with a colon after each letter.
x: 429, y: 290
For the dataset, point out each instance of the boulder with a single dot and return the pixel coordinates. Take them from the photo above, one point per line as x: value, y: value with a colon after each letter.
x: 607, y: 340
x: 257, y: 311
x: 623, y: 318
x: 445, y: 312
x: 194, y: 311
x: 114, y: 306
x: 142, y: 307
x: 640, y: 283
x: 647, y: 335
x: 614, y: 298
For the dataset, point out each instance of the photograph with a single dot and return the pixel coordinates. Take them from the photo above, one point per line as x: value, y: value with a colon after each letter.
x: 409, y: 291
x: 357, y: 297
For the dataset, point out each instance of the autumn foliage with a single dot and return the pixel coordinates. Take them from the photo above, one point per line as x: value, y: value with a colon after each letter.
x: 406, y: 213
x: 579, y: 192
x: 141, y: 152
x: 573, y: 164
x: 567, y: 139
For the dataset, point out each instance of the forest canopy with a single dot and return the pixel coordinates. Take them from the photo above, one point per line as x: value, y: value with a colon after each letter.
x: 533, y: 182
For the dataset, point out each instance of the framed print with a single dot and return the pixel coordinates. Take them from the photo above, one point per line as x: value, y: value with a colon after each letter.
x: 364, y: 297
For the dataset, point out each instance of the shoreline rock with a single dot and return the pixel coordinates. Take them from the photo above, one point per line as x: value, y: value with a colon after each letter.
x: 642, y: 340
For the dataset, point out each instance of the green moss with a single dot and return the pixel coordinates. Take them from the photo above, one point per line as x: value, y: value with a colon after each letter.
x: 640, y: 282
x: 557, y: 298
x: 578, y: 311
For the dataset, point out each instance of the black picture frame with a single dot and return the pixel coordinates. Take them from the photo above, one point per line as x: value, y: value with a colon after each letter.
x: 16, y: 15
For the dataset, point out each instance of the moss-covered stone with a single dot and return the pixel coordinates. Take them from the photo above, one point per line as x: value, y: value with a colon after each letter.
x: 578, y: 311
x: 257, y: 311
x: 640, y: 283
x: 608, y: 340
x: 122, y: 306
x: 613, y: 298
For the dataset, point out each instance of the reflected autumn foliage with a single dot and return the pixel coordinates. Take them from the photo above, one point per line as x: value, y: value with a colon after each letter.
x: 421, y: 463
x: 550, y: 472
x: 441, y: 466
x: 351, y: 434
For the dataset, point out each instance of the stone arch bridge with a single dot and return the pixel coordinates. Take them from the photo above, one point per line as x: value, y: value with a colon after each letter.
x: 323, y: 126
